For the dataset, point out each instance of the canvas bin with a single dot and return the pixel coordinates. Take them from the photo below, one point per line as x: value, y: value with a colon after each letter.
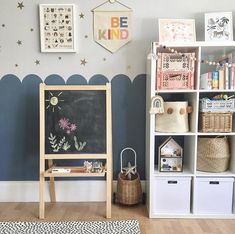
x: 174, y: 119
x: 213, y: 154
x: 129, y: 191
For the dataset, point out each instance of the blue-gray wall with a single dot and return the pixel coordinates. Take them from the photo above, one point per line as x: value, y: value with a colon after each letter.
x: 19, y: 122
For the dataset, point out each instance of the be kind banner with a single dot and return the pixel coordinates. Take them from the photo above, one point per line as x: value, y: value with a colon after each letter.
x: 112, y: 29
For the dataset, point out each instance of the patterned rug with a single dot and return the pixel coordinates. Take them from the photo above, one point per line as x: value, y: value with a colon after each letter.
x: 96, y: 227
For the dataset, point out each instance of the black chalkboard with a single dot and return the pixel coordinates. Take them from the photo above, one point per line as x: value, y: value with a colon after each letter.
x: 75, y: 121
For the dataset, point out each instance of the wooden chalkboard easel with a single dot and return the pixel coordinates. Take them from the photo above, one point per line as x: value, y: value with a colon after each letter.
x: 89, y: 103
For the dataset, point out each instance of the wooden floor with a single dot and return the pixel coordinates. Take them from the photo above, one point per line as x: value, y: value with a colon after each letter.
x: 96, y: 211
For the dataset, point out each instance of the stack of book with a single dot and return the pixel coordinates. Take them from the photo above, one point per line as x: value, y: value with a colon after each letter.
x: 222, y: 78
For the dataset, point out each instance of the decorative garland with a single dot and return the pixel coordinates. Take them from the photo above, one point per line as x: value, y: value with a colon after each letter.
x: 208, y: 62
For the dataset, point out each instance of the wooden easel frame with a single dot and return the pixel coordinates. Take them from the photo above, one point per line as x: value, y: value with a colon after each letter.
x: 49, y: 157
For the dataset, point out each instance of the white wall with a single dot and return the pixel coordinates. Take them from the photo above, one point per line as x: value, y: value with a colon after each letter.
x: 129, y: 60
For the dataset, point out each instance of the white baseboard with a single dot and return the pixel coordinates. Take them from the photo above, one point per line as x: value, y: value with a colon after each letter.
x: 66, y: 191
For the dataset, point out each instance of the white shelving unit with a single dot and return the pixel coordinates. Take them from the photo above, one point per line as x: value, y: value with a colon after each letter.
x: 203, y: 50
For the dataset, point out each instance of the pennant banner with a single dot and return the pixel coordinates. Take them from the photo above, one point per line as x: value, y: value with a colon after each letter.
x: 112, y: 29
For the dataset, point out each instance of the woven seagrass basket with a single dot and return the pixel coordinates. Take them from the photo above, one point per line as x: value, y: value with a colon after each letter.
x: 213, y: 154
x: 129, y: 190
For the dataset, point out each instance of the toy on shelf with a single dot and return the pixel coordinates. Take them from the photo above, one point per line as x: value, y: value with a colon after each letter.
x: 170, y: 156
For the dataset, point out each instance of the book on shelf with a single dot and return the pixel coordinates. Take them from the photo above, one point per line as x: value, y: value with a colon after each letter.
x: 60, y: 170
x: 215, y: 79
x: 206, y: 81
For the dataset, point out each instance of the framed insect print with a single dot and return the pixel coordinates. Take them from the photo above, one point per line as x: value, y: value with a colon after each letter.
x: 58, y: 27
x: 219, y: 26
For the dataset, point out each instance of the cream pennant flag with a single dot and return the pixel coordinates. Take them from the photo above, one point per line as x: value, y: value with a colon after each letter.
x: 112, y: 27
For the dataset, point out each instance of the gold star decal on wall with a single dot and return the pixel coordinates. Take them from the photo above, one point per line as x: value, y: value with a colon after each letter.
x: 83, y: 62
x: 20, y: 5
x: 19, y: 42
x: 37, y: 62
x: 81, y: 16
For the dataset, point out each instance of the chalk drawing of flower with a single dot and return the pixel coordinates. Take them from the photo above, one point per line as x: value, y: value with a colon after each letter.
x: 64, y: 123
x: 73, y: 127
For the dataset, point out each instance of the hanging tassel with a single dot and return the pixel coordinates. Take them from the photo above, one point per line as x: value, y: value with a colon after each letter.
x: 157, y: 105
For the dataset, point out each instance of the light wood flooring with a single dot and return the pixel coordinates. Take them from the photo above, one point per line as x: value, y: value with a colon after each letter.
x: 96, y: 211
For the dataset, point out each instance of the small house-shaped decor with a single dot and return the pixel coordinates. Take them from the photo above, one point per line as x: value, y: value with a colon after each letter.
x: 170, y: 156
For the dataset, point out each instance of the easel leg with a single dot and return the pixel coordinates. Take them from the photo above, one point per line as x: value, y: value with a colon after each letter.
x: 108, y: 189
x: 52, y: 184
x: 41, y: 197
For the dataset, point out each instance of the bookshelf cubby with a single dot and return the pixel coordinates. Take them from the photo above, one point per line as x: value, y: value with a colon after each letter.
x: 188, y: 140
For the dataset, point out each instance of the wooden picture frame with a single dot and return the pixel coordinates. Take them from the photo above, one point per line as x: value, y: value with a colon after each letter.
x: 219, y: 26
x: 58, y: 27
x: 48, y: 156
x: 176, y: 30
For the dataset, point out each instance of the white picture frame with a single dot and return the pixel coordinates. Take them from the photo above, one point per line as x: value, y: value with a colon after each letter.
x: 176, y: 30
x: 58, y: 29
x: 219, y: 26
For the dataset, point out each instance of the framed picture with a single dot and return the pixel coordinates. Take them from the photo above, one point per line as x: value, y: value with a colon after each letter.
x: 219, y: 26
x: 176, y: 30
x: 57, y: 27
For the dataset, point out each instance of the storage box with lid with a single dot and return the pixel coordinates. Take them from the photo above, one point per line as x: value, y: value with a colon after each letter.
x: 175, y: 71
x: 172, y: 194
x: 213, y: 195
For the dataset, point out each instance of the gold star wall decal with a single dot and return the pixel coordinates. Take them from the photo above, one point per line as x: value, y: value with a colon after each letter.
x: 83, y: 62
x: 20, y: 5
x: 37, y: 62
x: 19, y: 42
x: 81, y: 16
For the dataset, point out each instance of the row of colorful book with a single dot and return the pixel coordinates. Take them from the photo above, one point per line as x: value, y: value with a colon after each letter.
x: 222, y: 79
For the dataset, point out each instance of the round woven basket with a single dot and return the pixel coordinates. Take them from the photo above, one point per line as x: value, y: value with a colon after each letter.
x: 129, y: 192
x: 213, y: 154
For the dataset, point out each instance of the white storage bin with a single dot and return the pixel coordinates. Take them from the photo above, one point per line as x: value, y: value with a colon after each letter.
x: 234, y: 197
x: 213, y: 195
x: 172, y: 195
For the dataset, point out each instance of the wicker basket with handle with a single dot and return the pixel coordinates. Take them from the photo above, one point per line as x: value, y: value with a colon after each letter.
x: 213, y: 154
x: 129, y: 190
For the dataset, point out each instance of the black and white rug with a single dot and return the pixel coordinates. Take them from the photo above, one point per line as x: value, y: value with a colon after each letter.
x: 96, y: 227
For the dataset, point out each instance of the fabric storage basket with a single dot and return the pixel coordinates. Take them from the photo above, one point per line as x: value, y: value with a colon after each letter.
x: 213, y: 154
x: 174, y: 119
x: 215, y: 122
